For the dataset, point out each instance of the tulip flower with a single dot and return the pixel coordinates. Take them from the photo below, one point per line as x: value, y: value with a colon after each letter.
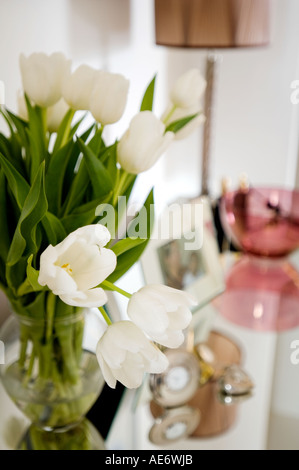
x: 42, y: 77
x: 108, y: 97
x: 188, y: 89
x: 76, y: 88
x: 143, y: 143
x: 73, y: 268
x: 125, y: 354
x: 162, y: 313
x: 171, y: 115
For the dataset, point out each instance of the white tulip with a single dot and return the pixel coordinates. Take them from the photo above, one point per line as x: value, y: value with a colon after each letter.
x: 42, y: 77
x: 125, y: 354
x: 73, y: 268
x: 181, y: 113
x: 108, y: 97
x: 188, y: 89
x: 162, y: 313
x: 77, y: 87
x: 55, y: 115
x: 143, y: 143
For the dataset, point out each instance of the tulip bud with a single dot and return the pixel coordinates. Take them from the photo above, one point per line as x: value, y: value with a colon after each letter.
x: 42, y: 77
x: 108, y: 97
x: 162, y: 313
x: 143, y: 143
x: 188, y: 89
x: 77, y: 87
x: 125, y: 354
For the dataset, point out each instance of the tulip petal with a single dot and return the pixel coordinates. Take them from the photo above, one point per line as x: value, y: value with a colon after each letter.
x: 157, y: 362
x: 76, y: 87
x: 96, y: 234
x: 173, y: 339
x: 106, y: 371
x: 90, y: 298
x: 180, y: 319
x: 149, y: 314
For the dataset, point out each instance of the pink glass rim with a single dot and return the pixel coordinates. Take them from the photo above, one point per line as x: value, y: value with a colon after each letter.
x: 263, y: 221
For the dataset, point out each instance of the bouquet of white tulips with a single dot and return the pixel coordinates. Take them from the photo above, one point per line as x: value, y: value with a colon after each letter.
x: 56, y: 255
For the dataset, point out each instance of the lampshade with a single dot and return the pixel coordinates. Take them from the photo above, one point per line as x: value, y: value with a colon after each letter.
x: 212, y: 23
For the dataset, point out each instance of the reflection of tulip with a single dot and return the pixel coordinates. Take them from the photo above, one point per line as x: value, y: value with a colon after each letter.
x: 55, y: 115
x: 125, y: 354
x: 181, y: 113
x: 188, y: 89
x: 77, y: 87
x: 42, y: 77
x: 143, y: 143
x: 162, y: 313
x: 108, y: 97
x: 75, y: 266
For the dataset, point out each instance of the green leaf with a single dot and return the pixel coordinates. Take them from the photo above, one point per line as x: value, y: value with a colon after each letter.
x: 74, y: 221
x: 175, y: 126
x: 63, y: 130
x: 12, y: 147
x: 55, y: 176
x: 70, y: 173
x: 77, y: 190
x: 54, y: 229
x: 36, y: 135
x: 96, y: 143
x: 148, y: 98
x: 18, y: 185
x: 126, y: 244
x: 111, y: 162
x: 99, y: 176
x: 92, y: 204
x: 4, y: 238
x: 16, y: 274
x: 126, y: 260
x: 20, y: 125
x: 84, y: 214
x: 31, y: 282
x: 35, y: 207
x: 76, y: 126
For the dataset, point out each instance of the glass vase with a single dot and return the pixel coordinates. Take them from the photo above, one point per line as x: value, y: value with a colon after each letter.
x: 51, y: 373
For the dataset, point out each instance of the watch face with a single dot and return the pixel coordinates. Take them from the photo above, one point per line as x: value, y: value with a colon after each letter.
x: 174, y: 424
x: 179, y: 382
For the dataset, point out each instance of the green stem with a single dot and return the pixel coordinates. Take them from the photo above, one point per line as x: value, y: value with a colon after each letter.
x: 168, y: 116
x: 51, y: 304
x: 120, y: 186
x: 111, y: 286
x: 106, y: 317
x: 30, y: 367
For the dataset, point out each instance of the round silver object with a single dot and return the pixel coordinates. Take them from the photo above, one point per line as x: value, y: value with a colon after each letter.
x: 229, y: 400
x: 175, y: 424
x: 179, y: 382
x: 235, y: 382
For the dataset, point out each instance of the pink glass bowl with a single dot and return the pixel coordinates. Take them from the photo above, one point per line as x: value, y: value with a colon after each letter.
x: 262, y: 221
x: 262, y: 288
